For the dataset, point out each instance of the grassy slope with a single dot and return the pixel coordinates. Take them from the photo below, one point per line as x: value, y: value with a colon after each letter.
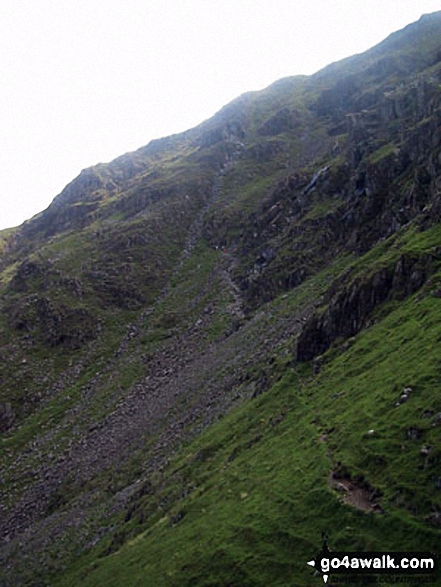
x: 254, y: 488
x: 245, y: 503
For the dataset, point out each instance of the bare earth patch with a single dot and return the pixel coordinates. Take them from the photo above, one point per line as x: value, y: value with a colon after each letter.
x: 358, y: 494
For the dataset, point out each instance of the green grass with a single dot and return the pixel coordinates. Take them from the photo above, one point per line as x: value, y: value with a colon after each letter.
x: 322, y: 208
x: 401, y: 351
x: 411, y: 241
x: 382, y: 153
x: 257, y: 482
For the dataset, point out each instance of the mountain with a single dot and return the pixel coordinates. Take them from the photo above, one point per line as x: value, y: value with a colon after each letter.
x: 224, y: 345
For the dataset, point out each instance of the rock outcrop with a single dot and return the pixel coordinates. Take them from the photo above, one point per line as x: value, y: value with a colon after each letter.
x: 352, y: 306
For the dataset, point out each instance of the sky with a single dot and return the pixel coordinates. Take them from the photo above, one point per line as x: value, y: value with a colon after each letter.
x: 84, y: 81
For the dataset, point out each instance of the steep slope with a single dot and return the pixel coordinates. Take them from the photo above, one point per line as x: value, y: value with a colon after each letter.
x: 279, y: 264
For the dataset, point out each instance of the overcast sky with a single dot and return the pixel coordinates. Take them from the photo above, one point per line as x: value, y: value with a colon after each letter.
x: 83, y: 81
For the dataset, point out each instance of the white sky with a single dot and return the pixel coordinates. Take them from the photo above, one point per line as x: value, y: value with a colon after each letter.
x: 83, y: 81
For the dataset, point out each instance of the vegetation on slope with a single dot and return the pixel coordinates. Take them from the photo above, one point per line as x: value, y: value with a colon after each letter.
x: 246, y: 503
x: 225, y: 343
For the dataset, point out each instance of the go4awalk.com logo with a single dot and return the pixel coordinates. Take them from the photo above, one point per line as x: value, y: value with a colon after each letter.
x: 411, y: 564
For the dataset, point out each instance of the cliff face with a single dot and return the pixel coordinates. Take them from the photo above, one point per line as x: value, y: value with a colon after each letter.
x: 351, y: 308
x: 189, y: 282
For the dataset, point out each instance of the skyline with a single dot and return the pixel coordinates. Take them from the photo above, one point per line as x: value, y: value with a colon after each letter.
x: 85, y: 84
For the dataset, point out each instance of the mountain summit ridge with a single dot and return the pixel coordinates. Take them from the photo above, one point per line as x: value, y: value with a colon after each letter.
x: 132, y: 163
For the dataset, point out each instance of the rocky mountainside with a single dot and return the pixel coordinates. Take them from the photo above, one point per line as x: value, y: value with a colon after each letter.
x: 221, y: 345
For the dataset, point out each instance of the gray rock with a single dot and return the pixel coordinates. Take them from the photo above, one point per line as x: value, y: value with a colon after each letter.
x: 7, y: 416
